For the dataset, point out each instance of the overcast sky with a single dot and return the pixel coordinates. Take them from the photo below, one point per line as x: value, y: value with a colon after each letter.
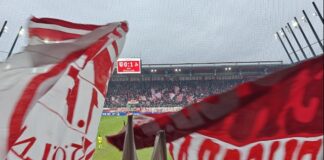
x: 177, y: 31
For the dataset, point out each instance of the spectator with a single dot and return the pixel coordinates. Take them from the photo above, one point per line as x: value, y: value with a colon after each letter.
x: 163, y: 94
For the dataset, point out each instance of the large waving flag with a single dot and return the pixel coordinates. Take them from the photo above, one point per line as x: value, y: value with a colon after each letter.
x: 52, y: 94
x: 277, y: 117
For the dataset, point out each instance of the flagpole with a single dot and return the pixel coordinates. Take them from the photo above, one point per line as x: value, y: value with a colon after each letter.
x: 318, y: 12
x: 305, y: 37
x: 3, y: 27
x: 284, y: 48
x: 129, y: 149
x: 291, y: 46
x: 300, y: 47
x: 159, y: 150
x: 14, y: 44
x: 163, y: 143
x: 312, y: 28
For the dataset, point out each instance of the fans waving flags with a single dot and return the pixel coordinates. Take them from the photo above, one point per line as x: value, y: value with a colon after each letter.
x: 279, y: 116
x: 52, y: 94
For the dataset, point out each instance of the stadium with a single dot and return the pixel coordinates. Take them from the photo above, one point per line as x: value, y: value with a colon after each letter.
x: 175, y: 86
x: 162, y: 80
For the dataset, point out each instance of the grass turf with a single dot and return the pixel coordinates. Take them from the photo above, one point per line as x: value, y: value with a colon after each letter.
x: 111, y: 125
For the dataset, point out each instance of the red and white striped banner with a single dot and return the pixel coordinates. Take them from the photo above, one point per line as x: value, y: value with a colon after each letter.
x: 277, y: 117
x: 52, y: 94
x: 197, y: 146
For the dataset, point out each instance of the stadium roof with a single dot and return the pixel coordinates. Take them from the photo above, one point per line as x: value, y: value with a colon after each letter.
x: 182, y: 31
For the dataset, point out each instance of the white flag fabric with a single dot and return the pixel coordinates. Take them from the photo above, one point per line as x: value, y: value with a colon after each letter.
x: 52, y: 94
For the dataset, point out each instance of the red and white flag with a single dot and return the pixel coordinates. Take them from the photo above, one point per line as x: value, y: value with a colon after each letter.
x: 52, y: 94
x: 277, y: 117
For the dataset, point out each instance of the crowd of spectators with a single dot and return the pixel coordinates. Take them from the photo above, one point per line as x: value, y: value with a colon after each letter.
x: 163, y: 93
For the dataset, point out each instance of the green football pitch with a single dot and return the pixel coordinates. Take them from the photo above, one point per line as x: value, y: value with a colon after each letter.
x: 110, y: 125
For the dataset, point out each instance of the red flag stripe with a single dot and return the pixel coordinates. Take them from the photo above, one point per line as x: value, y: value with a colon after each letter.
x: 51, y: 35
x: 63, y: 23
x: 58, y: 28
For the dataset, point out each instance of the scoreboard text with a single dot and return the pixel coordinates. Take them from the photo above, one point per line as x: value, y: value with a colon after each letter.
x: 129, y: 66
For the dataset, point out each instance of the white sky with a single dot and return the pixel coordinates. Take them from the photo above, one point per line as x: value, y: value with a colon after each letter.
x: 177, y: 31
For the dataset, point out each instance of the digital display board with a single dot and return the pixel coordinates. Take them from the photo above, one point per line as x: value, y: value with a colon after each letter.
x: 129, y: 66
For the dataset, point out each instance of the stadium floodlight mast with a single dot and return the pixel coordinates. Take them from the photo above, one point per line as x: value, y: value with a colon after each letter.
x: 277, y: 36
x: 313, y: 30
x: 318, y: 12
x: 283, y: 33
x: 297, y: 25
x: 20, y: 33
x: 296, y: 39
x: 3, y: 29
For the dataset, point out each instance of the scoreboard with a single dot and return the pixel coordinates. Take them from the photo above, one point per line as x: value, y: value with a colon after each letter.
x: 129, y: 66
